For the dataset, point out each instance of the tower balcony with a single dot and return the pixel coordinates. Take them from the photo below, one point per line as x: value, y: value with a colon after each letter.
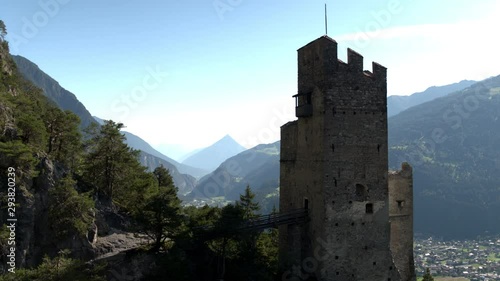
x: 303, y: 105
x: 305, y: 110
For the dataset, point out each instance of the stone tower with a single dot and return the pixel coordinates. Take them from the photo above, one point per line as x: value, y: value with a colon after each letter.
x: 334, y: 162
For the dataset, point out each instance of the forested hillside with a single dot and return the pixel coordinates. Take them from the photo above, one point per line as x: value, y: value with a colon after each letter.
x: 258, y: 167
x: 453, y: 144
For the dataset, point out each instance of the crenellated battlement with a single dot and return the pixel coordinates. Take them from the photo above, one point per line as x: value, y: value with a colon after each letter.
x: 321, y: 54
x: 354, y: 60
x: 343, y: 84
x: 379, y: 71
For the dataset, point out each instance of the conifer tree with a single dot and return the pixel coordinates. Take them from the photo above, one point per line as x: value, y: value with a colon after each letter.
x: 159, y: 217
x: 163, y: 176
x: 3, y: 31
x: 31, y: 130
x: 110, y: 164
x: 428, y: 276
x: 64, y: 139
x: 247, y: 204
x: 70, y: 213
x: 107, y: 152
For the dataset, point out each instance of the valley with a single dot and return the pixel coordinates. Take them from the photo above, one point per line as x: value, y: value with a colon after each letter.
x: 475, y: 260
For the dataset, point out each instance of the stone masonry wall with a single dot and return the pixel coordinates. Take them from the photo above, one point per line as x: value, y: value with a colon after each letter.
x: 355, y: 154
x: 401, y: 217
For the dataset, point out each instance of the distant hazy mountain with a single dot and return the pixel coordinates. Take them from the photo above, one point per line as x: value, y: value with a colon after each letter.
x: 257, y: 167
x: 189, y: 154
x: 138, y: 143
x: 211, y: 157
x: 178, y: 152
x: 453, y: 144
x: 68, y: 101
x: 396, y: 104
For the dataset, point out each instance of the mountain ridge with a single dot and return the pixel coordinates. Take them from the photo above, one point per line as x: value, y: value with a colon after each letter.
x: 63, y: 98
x: 397, y: 104
x: 257, y: 167
x: 453, y: 144
x: 66, y: 100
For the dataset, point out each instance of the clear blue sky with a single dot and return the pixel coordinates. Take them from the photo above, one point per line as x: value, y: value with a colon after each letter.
x: 190, y: 71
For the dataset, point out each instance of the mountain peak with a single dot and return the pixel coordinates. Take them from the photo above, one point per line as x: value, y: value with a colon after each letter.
x: 228, y: 139
x: 211, y: 157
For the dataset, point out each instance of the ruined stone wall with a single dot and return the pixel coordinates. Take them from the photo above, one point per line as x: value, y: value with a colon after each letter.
x: 301, y: 173
x: 289, y: 245
x: 401, y: 217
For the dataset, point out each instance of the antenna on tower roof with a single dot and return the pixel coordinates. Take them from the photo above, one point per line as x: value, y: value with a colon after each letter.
x: 326, y: 21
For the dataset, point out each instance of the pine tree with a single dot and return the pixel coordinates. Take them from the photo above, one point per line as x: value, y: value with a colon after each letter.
x: 227, y: 230
x: 428, y: 276
x: 3, y: 31
x: 247, y: 204
x: 17, y: 154
x: 159, y: 217
x: 70, y: 213
x: 110, y: 164
x: 163, y: 176
x: 248, y: 255
x: 31, y: 130
x: 267, y: 257
x: 64, y: 139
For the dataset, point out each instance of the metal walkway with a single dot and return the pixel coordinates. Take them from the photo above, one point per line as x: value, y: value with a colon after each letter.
x: 233, y: 226
x: 297, y: 216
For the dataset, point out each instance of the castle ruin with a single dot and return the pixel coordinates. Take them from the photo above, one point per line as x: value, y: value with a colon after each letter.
x: 334, y: 163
